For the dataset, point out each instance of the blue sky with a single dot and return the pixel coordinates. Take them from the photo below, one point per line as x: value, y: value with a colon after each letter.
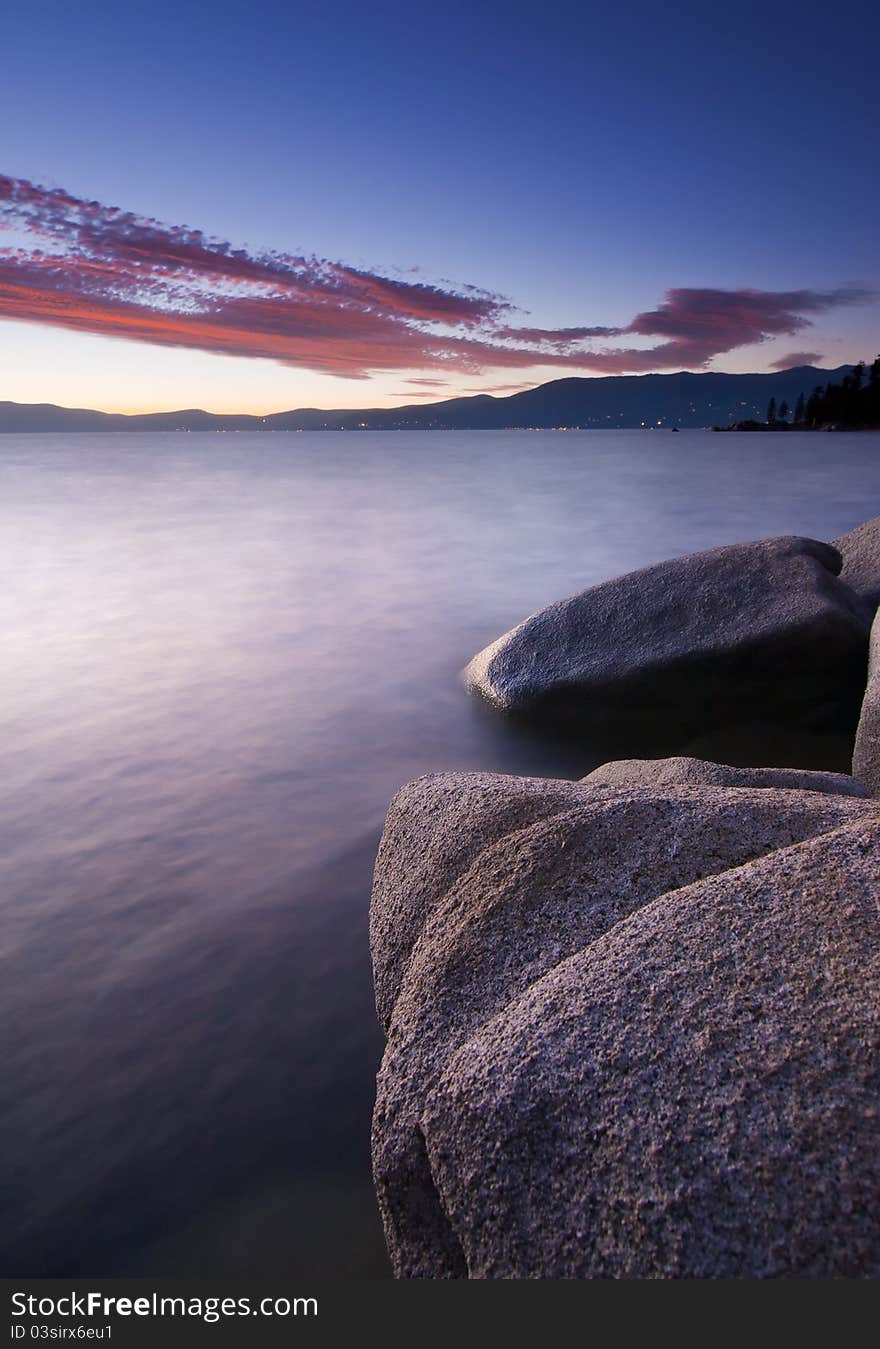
x: 578, y: 161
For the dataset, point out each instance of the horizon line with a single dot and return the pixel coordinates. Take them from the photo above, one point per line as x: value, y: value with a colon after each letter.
x: 423, y: 406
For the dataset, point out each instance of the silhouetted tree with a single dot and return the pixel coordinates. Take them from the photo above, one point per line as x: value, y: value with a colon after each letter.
x: 852, y: 402
x: 814, y: 402
x: 871, y: 395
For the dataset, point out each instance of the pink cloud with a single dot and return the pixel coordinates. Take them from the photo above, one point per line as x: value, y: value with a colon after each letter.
x: 796, y: 358
x: 701, y: 324
x: 92, y: 268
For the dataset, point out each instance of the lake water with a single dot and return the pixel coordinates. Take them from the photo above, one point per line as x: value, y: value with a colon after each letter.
x: 222, y: 655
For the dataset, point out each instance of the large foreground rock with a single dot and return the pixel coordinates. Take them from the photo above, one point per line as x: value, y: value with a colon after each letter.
x: 866, y: 757
x: 619, y: 1045
x: 757, y: 629
x: 695, y: 1095
x: 860, y: 550
x: 699, y: 772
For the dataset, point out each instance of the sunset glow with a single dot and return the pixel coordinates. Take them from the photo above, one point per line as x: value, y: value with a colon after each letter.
x: 129, y: 288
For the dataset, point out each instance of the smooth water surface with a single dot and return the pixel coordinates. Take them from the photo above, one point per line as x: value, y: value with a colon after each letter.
x: 222, y: 655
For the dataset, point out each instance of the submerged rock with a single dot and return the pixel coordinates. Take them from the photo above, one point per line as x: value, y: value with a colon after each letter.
x: 761, y: 629
x: 866, y: 756
x: 615, y: 1040
x: 860, y: 550
x: 697, y: 772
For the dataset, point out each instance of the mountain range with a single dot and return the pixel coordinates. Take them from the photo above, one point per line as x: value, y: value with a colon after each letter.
x: 684, y: 399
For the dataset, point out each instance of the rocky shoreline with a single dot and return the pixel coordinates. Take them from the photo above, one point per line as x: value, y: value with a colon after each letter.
x: 633, y: 1022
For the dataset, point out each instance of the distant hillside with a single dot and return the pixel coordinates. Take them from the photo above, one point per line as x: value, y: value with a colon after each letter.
x: 684, y: 399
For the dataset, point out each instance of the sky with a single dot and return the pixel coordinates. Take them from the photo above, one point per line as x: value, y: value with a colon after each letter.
x: 261, y: 207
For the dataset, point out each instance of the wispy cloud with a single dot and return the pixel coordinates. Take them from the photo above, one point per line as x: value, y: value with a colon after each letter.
x: 557, y: 337
x: 93, y: 268
x: 796, y: 358
x: 503, y: 388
